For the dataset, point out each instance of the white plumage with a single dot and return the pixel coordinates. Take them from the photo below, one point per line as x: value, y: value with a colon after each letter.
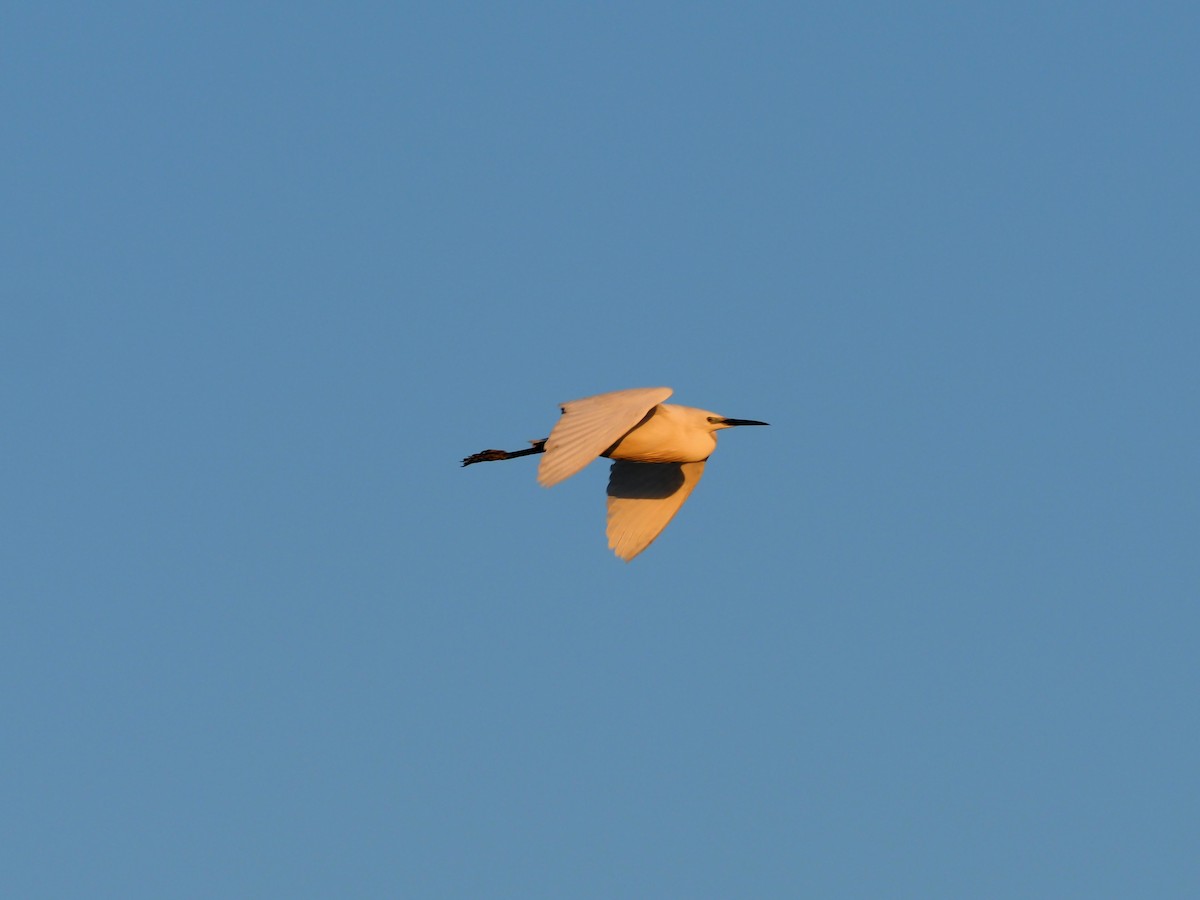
x: 590, y: 426
x: 658, y: 452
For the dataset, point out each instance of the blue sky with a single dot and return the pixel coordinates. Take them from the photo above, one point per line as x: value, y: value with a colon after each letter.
x: 271, y: 270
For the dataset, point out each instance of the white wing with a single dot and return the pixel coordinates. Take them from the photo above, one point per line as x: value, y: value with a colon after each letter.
x: 643, y: 498
x: 590, y: 426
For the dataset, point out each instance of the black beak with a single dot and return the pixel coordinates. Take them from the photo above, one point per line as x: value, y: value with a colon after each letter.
x: 732, y: 422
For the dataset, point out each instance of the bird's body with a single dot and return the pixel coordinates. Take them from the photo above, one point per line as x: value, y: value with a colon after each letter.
x: 670, y: 433
x: 659, y: 450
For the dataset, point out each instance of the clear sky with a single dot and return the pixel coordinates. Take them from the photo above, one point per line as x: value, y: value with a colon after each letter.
x: 271, y: 270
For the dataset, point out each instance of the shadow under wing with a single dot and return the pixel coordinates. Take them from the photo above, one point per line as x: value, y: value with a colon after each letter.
x: 643, y: 498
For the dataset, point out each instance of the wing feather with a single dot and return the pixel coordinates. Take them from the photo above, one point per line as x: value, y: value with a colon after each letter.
x: 643, y: 498
x: 590, y: 426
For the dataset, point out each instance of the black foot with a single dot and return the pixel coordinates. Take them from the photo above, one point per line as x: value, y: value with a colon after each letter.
x: 486, y: 456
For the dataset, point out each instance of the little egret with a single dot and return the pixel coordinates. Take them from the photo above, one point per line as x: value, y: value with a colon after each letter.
x: 659, y: 450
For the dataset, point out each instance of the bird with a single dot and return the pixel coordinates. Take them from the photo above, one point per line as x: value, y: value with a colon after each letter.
x: 658, y: 451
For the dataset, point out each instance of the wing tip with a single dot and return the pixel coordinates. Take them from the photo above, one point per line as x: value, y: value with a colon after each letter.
x: 626, y: 554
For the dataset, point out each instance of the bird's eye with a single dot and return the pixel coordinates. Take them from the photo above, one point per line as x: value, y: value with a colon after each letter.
x: 713, y: 419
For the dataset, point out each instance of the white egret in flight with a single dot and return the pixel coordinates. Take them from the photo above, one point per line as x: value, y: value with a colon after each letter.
x: 658, y: 451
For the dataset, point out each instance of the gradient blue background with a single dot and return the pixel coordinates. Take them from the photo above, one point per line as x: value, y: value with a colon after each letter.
x: 271, y: 270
